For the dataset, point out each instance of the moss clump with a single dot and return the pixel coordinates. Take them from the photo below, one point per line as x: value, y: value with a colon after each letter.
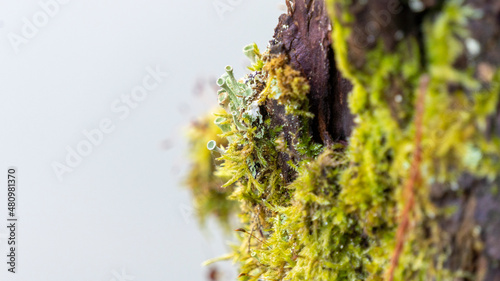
x: 337, y: 218
x: 287, y: 86
x: 313, y: 238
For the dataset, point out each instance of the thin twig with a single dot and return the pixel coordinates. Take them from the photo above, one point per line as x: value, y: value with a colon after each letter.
x: 409, y: 188
x: 251, y: 235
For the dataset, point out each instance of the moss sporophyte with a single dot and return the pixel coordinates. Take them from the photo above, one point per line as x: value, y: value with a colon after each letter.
x: 337, y: 218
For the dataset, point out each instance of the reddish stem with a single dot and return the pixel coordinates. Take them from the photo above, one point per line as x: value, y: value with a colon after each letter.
x: 409, y: 188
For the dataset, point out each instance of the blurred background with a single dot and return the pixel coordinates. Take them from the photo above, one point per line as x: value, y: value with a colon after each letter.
x: 95, y: 99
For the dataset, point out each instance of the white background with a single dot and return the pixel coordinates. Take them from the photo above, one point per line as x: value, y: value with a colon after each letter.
x: 122, y: 211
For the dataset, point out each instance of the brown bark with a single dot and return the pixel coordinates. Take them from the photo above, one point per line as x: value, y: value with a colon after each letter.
x: 304, y: 36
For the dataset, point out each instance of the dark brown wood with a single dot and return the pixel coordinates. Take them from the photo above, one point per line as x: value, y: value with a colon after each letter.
x: 303, y: 35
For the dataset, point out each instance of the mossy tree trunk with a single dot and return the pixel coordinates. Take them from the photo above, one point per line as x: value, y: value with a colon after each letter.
x: 472, y: 233
x: 363, y: 145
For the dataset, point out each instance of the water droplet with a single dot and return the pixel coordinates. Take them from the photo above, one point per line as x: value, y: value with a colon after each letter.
x: 398, y: 98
